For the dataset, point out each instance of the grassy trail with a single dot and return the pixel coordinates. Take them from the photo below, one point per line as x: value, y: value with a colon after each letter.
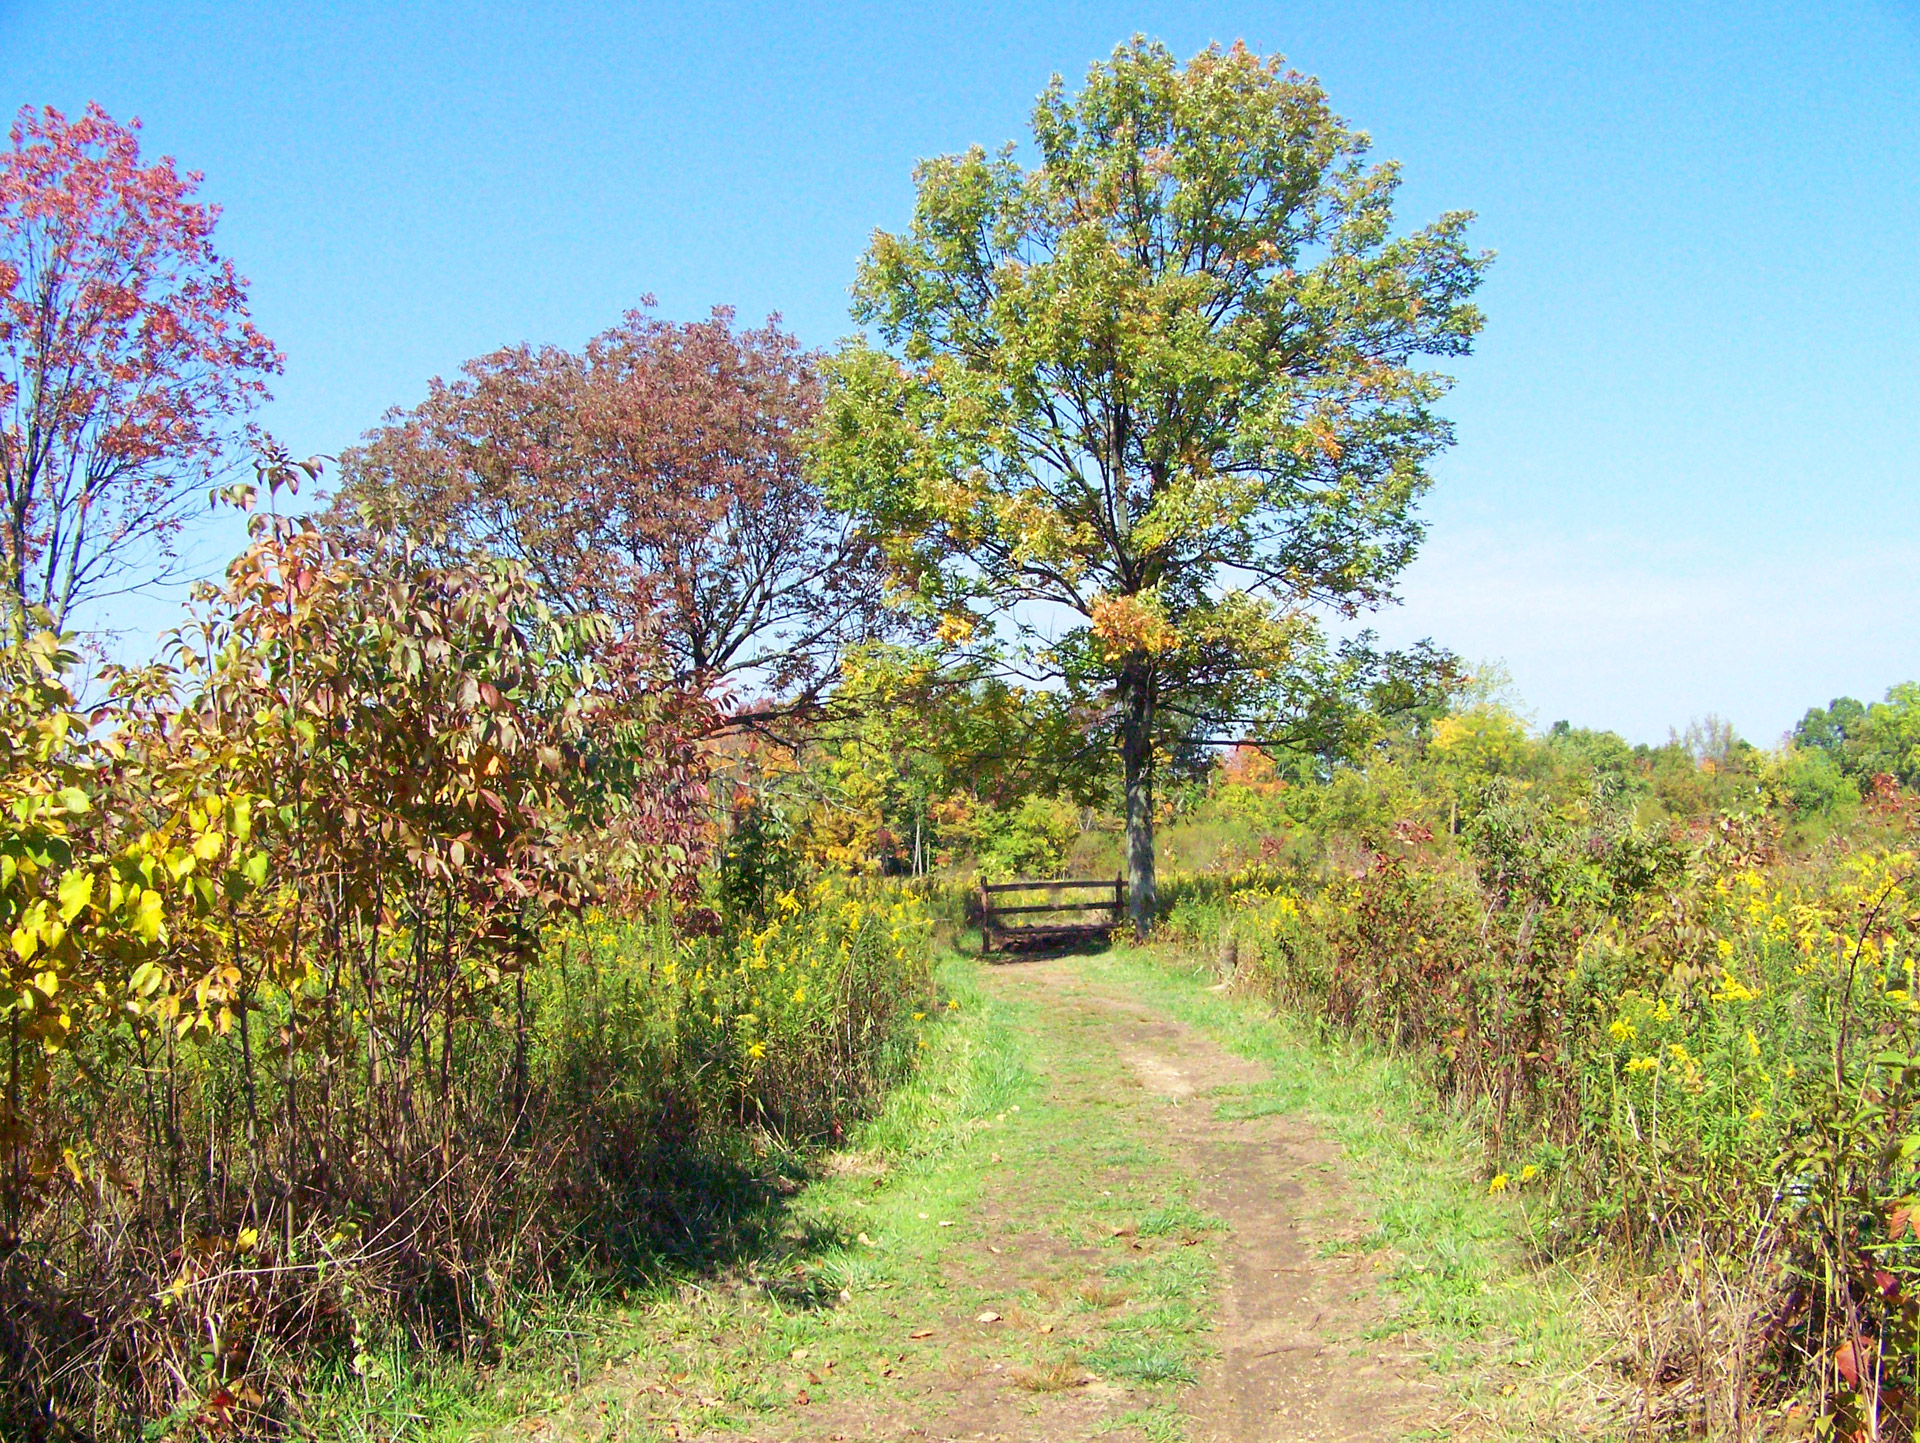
x: 1111, y: 1204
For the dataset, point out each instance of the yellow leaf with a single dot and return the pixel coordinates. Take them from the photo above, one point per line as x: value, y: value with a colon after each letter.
x: 149, y: 919
x: 208, y: 845
x: 76, y: 890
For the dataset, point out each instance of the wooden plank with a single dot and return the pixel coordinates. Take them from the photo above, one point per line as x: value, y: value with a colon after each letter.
x: 1041, y: 886
x: 1000, y: 911
x: 1034, y: 929
x: 1010, y: 936
x: 1000, y: 926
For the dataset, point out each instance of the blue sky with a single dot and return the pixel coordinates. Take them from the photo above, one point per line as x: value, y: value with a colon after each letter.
x: 1686, y: 474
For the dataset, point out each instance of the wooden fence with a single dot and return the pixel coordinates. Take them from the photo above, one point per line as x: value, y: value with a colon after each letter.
x: 1045, y: 925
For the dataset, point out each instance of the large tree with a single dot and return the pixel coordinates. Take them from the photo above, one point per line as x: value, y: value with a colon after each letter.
x: 127, y: 357
x: 1155, y: 401
x: 657, y: 477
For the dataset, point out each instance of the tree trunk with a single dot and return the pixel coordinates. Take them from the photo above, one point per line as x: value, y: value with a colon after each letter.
x: 1136, y: 756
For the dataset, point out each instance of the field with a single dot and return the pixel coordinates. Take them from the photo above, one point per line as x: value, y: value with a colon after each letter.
x: 506, y: 961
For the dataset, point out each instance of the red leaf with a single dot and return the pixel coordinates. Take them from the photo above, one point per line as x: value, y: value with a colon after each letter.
x: 1847, y: 1359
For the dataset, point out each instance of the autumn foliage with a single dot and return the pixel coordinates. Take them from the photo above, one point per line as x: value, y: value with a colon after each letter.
x: 657, y: 477
x: 1672, y: 989
x: 304, y: 866
x: 127, y: 356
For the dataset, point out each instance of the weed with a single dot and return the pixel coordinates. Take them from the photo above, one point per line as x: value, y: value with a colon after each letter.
x: 1055, y: 1377
x: 1138, y: 1359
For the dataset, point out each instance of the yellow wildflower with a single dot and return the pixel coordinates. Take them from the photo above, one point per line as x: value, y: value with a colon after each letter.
x: 1731, y: 990
x: 1499, y: 1183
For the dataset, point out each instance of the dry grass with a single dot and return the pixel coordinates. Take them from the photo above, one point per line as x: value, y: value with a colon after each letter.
x: 1691, y: 1357
x: 1054, y: 1377
x: 1098, y: 1293
x: 867, y: 1165
x: 635, y: 1136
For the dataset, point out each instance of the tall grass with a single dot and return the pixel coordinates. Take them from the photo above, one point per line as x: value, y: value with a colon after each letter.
x: 621, y: 1101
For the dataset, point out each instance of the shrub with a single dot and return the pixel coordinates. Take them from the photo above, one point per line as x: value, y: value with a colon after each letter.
x: 307, y: 1043
x: 1693, y: 1048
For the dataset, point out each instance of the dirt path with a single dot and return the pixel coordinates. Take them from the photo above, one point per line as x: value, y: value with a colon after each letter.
x: 1119, y: 1236
x: 1290, y: 1301
x: 1292, y: 1358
